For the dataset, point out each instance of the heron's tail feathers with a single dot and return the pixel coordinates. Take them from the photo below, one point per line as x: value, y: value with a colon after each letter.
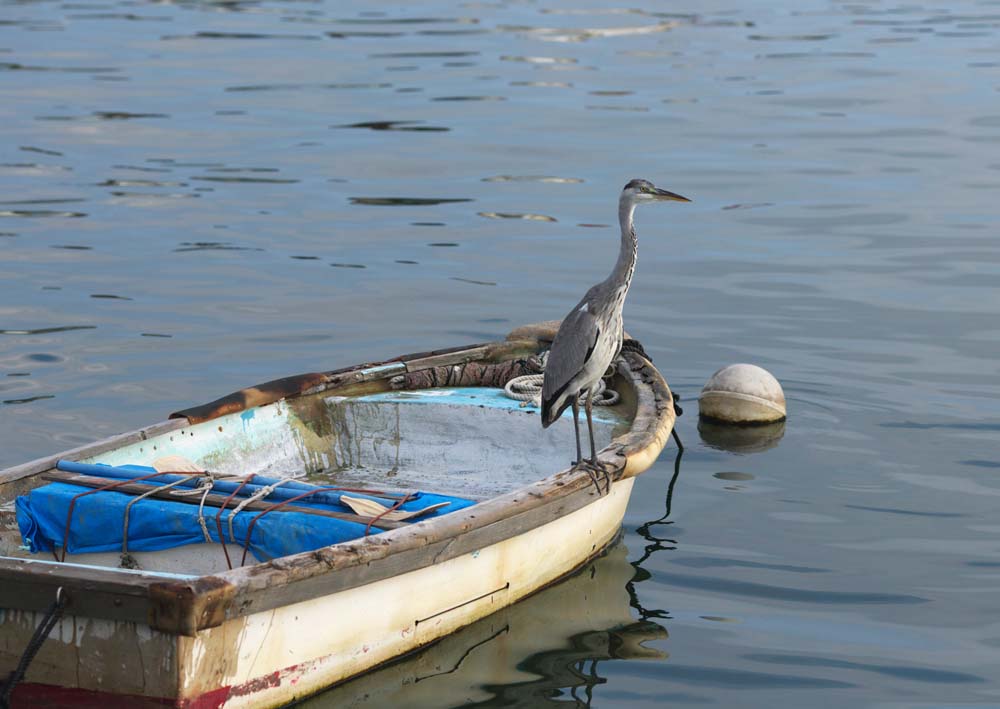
x: 553, y: 408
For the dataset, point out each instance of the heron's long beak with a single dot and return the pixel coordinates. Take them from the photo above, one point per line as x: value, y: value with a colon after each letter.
x: 669, y: 196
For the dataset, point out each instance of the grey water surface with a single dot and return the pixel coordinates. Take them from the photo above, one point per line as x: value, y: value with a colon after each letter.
x: 197, y: 196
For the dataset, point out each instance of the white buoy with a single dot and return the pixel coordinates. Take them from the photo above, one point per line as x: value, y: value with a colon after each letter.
x: 742, y: 394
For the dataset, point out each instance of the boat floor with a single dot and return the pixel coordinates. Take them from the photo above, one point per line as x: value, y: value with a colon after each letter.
x: 469, y: 442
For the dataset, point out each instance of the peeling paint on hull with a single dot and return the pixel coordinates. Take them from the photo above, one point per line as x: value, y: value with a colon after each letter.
x: 300, y: 649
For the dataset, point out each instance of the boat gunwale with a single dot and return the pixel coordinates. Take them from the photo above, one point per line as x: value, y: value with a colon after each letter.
x: 184, y: 607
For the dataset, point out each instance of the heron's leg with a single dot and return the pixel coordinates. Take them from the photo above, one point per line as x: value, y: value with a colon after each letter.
x: 580, y: 463
x: 576, y: 429
x: 588, y: 407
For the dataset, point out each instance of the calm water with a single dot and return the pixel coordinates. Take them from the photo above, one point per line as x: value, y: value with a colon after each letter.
x: 199, y: 196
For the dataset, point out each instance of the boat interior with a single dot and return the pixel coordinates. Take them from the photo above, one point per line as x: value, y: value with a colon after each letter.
x: 469, y: 443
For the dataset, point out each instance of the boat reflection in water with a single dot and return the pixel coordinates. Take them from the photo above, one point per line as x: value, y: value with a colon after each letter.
x: 544, y: 650
x: 528, y: 654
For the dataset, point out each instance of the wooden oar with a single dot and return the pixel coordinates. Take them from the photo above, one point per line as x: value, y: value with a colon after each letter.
x: 364, y: 506
x: 212, y: 499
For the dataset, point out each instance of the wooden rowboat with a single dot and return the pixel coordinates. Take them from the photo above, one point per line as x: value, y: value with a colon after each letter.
x: 184, y: 629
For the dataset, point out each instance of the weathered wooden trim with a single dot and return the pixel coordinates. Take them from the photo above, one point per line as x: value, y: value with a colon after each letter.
x: 184, y: 607
x: 46, y: 463
x: 90, y: 591
x: 445, y: 360
x: 654, y: 417
x: 540, y: 331
x: 368, y: 374
x: 345, y: 380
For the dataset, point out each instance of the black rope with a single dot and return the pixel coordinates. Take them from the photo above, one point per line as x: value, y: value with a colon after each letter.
x: 632, y: 345
x: 52, y: 616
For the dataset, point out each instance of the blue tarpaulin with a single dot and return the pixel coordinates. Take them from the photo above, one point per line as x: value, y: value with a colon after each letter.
x: 98, y: 519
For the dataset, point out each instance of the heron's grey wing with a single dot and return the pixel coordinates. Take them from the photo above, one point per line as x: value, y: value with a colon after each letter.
x: 572, y: 347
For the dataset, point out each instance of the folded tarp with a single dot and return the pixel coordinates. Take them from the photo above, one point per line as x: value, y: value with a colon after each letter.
x: 98, y: 519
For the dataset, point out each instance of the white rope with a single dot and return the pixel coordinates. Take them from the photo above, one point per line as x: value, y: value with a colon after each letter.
x: 262, y: 493
x: 127, y: 560
x: 201, y: 511
x: 204, y: 490
x: 209, y: 485
x: 528, y: 389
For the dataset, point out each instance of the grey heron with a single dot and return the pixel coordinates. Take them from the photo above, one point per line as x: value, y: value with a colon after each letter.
x: 590, y: 336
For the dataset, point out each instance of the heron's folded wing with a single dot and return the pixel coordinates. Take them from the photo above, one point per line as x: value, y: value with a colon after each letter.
x: 571, y: 348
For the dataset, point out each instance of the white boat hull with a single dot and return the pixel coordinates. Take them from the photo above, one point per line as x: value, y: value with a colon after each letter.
x: 270, y: 658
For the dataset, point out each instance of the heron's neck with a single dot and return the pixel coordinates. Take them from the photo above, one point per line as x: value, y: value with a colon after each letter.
x: 621, y: 276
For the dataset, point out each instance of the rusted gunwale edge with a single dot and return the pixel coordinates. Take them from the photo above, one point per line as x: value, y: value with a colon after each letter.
x: 184, y: 607
x: 315, y: 382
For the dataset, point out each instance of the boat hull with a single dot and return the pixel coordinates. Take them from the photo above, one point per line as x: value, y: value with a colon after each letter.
x: 267, y: 633
x: 270, y: 658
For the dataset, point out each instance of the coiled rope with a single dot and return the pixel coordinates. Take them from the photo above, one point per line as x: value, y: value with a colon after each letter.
x: 528, y: 388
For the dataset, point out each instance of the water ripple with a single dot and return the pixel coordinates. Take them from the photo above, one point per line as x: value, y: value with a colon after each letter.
x: 241, y: 35
x: 406, y: 201
x: 415, y: 126
x: 47, y: 330
x: 917, y: 674
x: 473, y: 281
x: 42, y: 151
x: 13, y: 66
x: 517, y: 215
x: 300, y: 87
x: 533, y: 178
x: 897, y: 511
x: 751, y: 589
x: 126, y: 115
x: 469, y: 98
x: 28, y: 400
x: 709, y: 562
x: 186, y: 246
x: 40, y: 213
x: 742, y: 679
x: 423, y: 55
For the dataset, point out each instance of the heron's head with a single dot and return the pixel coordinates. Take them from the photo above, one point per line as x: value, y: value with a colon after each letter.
x: 638, y: 191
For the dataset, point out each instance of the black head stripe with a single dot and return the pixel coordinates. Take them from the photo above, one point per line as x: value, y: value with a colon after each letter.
x: 637, y: 184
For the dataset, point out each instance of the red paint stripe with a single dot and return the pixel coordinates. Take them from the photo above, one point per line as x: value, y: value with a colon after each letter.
x: 30, y: 695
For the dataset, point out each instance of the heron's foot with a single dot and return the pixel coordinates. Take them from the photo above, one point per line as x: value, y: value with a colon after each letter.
x: 594, y: 468
x: 586, y: 466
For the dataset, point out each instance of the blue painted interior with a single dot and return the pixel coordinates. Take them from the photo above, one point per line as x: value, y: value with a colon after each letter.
x: 474, y: 396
